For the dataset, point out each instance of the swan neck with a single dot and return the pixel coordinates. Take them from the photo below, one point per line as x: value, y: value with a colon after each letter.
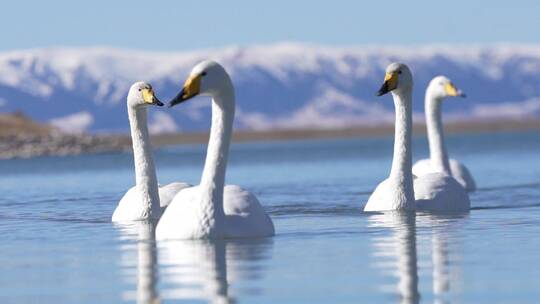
x: 213, y: 177
x: 402, y: 161
x: 145, y: 172
x: 437, y: 148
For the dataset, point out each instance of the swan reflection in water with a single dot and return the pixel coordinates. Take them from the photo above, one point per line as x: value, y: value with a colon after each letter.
x: 400, y: 248
x: 144, y: 233
x: 444, y: 237
x: 397, y: 252
x: 204, y: 270
x: 190, y: 270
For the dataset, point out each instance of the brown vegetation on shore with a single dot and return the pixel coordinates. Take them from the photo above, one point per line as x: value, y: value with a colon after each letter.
x: 457, y: 127
x: 21, y: 137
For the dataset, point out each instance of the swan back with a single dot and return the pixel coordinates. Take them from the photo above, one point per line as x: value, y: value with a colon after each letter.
x: 439, y: 192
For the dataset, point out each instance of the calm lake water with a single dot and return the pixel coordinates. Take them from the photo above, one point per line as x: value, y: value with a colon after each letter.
x: 59, y: 246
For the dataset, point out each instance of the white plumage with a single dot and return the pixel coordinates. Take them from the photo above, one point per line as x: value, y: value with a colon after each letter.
x: 145, y: 200
x: 458, y: 171
x: 131, y: 206
x: 438, y: 192
x: 244, y: 216
x: 438, y: 89
x: 211, y: 209
x: 432, y: 192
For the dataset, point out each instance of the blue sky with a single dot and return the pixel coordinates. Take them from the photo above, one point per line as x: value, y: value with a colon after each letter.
x: 185, y: 25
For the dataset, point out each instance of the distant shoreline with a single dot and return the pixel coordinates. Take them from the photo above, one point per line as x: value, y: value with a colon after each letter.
x: 456, y: 127
x: 21, y: 137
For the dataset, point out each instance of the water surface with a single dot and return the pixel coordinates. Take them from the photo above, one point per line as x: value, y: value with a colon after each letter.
x: 59, y: 246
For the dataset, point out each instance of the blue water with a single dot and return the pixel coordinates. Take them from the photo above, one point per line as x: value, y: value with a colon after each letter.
x: 59, y: 246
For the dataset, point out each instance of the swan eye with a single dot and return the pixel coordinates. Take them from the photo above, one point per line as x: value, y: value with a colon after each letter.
x: 203, y: 74
x: 399, y: 72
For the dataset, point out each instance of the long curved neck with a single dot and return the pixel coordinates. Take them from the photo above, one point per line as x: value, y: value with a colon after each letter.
x: 437, y: 148
x: 213, y: 177
x: 402, y: 161
x: 145, y: 172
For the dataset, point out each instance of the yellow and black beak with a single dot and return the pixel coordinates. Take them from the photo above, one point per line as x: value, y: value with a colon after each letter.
x: 452, y: 90
x: 150, y: 98
x: 192, y: 87
x: 390, y: 83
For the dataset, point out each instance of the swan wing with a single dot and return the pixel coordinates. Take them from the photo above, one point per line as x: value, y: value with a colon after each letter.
x: 169, y: 191
x: 383, y: 198
x: 244, y: 215
x: 462, y: 175
x: 440, y: 192
x: 422, y: 167
x: 129, y: 207
x: 458, y: 170
x: 183, y: 218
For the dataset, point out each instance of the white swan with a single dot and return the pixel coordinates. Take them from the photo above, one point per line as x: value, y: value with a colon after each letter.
x: 211, y: 209
x: 435, y: 191
x: 439, y: 88
x: 145, y: 200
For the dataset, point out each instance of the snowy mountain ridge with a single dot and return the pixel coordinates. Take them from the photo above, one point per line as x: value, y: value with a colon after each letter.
x: 283, y: 85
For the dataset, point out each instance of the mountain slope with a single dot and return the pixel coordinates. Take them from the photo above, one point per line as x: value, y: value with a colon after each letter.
x: 278, y: 86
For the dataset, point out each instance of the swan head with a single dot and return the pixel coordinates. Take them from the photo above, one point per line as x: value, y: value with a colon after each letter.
x: 441, y: 87
x: 142, y: 94
x: 206, y: 78
x: 398, y: 79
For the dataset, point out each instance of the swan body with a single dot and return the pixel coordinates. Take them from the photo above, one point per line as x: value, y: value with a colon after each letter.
x: 438, y: 192
x: 211, y: 209
x: 400, y: 191
x: 388, y: 196
x: 244, y: 216
x: 131, y: 206
x: 458, y: 171
x: 146, y: 200
x: 438, y: 89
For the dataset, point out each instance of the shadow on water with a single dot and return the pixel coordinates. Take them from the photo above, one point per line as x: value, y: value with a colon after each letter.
x: 518, y: 195
x: 192, y: 270
x: 515, y: 186
x: 59, y: 219
x: 315, y: 209
x: 506, y: 207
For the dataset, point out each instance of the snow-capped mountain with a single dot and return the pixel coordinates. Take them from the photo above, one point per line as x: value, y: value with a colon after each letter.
x: 277, y: 86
